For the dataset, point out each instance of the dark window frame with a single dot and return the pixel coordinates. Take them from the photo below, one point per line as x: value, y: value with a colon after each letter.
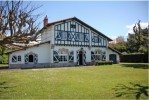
x: 19, y: 58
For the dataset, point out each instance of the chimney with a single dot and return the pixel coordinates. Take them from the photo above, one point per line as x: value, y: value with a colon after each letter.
x: 45, y: 21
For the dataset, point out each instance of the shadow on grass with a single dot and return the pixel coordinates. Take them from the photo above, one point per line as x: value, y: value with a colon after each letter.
x: 4, y: 86
x: 136, y: 65
x: 133, y: 89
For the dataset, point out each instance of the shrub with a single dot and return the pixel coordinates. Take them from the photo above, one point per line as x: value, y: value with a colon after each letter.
x: 104, y: 63
x: 4, y: 59
x: 134, y: 58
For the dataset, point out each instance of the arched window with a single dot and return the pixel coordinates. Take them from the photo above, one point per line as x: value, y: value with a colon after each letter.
x: 31, y: 58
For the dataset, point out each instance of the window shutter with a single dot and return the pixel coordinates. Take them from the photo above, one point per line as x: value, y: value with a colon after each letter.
x: 26, y: 59
x: 104, y: 56
x: 55, y: 56
x: 77, y: 57
x: 35, y: 58
x: 71, y: 56
x: 84, y: 58
x: 14, y: 58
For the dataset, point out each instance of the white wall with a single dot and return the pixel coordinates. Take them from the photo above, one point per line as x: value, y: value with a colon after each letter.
x: 87, y: 49
x: 42, y: 50
x: 109, y: 51
x: 48, y: 35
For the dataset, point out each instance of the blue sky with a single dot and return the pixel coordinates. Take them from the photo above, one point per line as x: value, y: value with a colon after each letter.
x: 112, y: 18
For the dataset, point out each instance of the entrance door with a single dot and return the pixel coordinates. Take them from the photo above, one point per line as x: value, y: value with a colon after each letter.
x: 80, y: 58
x: 31, y: 58
x: 113, y: 58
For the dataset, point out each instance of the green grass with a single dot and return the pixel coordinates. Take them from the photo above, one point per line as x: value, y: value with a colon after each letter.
x: 2, y: 65
x: 118, y: 81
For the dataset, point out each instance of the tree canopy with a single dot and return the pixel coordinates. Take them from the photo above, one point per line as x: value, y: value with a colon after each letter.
x: 18, y: 24
x: 136, y: 43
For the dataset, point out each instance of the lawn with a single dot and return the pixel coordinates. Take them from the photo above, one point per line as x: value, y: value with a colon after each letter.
x: 2, y: 65
x: 118, y: 81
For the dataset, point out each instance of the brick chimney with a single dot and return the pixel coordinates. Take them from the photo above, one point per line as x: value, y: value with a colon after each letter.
x: 45, y: 21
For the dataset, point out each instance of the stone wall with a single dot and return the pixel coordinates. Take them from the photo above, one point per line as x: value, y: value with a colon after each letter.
x: 41, y: 65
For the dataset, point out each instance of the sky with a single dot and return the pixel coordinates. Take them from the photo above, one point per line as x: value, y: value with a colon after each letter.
x: 112, y: 18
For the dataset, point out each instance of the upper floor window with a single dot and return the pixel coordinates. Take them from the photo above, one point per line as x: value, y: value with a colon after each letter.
x: 64, y: 35
x: 79, y: 36
x: 72, y: 26
x: 96, y: 39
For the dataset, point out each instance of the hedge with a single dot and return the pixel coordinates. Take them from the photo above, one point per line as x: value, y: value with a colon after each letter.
x: 134, y: 58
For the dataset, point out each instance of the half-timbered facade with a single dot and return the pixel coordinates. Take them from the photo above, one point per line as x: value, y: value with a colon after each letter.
x: 67, y: 42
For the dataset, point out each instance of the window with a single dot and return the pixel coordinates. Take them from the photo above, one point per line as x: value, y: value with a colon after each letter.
x: 92, y: 55
x: 86, y: 37
x: 31, y: 58
x: 64, y: 35
x: 96, y: 55
x: 70, y: 36
x: 14, y: 58
x: 72, y: 26
x: 81, y: 37
x: 63, y: 58
x: 58, y: 36
x: 19, y: 58
x: 61, y: 55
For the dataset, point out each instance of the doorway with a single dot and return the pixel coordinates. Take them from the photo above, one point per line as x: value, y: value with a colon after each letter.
x: 113, y: 58
x: 80, y: 57
x: 31, y: 58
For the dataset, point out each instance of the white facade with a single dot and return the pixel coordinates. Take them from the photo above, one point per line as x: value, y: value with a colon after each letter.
x: 72, y: 42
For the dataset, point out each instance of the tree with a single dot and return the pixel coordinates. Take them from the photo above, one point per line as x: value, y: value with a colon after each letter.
x: 120, y: 39
x: 120, y: 44
x: 138, y: 42
x: 17, y: 23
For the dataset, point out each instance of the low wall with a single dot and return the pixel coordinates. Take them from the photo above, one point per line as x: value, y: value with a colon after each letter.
x: 42, y: 65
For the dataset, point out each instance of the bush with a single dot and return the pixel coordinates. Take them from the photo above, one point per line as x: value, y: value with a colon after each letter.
x: 104, y: 63
x: 4, y: 59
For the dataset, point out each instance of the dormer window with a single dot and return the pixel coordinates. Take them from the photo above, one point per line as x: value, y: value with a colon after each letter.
x: 72, y: 26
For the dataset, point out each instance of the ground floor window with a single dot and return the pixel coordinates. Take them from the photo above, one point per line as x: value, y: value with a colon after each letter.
x: 63, y: 58
x: 98, y: 55
x: 14, y: 58
x: 63, y: 55
x: 19, y: 58
x: 31, y: 58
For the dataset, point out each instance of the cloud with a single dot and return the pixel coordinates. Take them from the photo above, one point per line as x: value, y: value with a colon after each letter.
x: 130, y: 27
